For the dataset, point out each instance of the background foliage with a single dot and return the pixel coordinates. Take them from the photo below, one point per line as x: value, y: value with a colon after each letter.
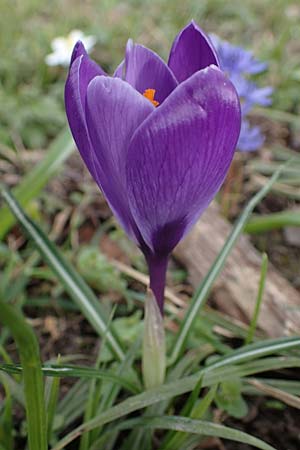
x: 59, y: 285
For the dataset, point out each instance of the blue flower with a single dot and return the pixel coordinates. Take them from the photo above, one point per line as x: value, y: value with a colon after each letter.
x: 240, y: 64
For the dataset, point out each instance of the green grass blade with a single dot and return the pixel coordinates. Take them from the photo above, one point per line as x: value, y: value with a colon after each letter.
x: 173, y: 389
x: 32, y: 375
x: 256, y: 350
x: 89, y: 411
x: 15, y: 387
x: 184, y: 425
x: 215, y: 373
x: 274, y: 221
x: 71, y: 407
x: 63, y: 371
x: 200, y: 427
x: 173, y: 439
x: 52, y: 404
x: 37, y: 178
x: 6, y: 420
x: 200, y: 409
x: 261, y: 287
x: 193, y: 397
x: 111, y: 393
x: 73, y: 283
x: 93, y: 395
x: 181, y: 439
x: 204, y: 289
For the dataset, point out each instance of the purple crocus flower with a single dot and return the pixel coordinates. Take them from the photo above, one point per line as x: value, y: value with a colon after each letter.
x: 157, y: 138
x: 240, y: 65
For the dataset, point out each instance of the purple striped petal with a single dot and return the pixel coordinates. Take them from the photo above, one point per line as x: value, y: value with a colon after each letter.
x: 114, y: 110
x: 120, y: 70
x: 179, y: 156
x: 146, y: 70
x: 78, y: 50
x: 191, y: 51
x: 82, y: 71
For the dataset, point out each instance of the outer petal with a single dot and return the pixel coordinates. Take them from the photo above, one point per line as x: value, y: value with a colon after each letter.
x: 79, y: 50
x: 82, y: 71
x: 146, y: 70
x: 113, y: 112
x: 191, y: 51
x: 179, y: 156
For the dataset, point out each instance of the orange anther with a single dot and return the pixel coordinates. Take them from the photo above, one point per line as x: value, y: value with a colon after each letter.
x: 149, y: 94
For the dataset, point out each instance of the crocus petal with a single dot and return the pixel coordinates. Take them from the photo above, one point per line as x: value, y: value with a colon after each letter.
x: 179, y: 156
x: 191, y: 51
x: 78, y: 50
x: 120, y: 70
x: 146, y: 70
x: 113, y: 112
x: 81, y: 72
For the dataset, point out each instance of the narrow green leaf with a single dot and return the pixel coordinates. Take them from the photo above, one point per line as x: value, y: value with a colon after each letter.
x: 204, y: 289
x: 111, y: 393
x: 93, y: 395
x: 89, y: 410
x: 37, y: 178
x: 32, y: 375
x: 78, y: 290
x: 173, y: 389
x: 52, y: 403
x: 261, y: 287
x: 193, y: 397
x: 16, y: 389
x: 256, y: 350
x: 200, y: 409
x: 200, y: 427
x: 219, y: 371
x: 173, y: 439
x: 273, y: 221
x: 6, y: 421
x: 71, y: 406
x: 78, y: 372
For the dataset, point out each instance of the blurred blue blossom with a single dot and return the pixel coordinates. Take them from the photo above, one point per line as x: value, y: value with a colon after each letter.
x: 240, y: 64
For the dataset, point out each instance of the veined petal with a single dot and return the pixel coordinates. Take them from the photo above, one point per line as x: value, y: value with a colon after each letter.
x: 114, y: 110
x: 191, y: 51
x: 179, y: 156
x: 79, y: 50
x: 82, y: 71
x: 146, y: 70
x: 120, y: 70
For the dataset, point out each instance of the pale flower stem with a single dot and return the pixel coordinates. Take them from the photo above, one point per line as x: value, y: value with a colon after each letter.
x: 154, y: 347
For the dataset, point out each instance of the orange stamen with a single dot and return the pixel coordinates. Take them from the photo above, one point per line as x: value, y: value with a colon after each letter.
x: 149, y: 94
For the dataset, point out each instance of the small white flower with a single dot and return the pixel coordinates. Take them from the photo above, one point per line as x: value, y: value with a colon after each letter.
x: 62, y: 47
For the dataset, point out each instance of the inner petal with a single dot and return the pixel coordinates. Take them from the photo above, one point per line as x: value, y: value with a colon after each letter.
x: 144, y: 69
